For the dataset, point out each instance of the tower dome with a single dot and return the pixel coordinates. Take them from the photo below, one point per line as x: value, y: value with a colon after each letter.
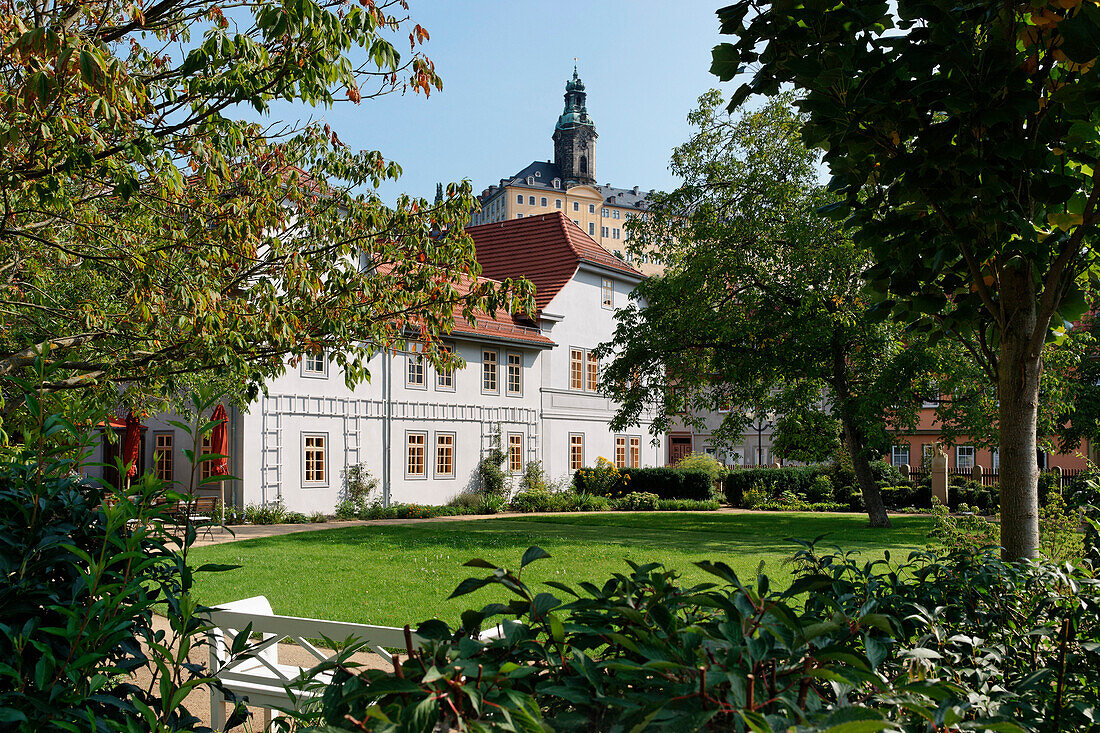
x: 575, y: 135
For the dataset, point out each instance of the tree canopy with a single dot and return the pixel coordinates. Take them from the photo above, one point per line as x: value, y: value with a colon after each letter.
x: 963, y: 139
x: 149, y: 233
x: 762, y: 307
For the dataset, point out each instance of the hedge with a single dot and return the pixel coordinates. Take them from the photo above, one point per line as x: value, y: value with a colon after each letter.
x: 796, y: 479
x: 666, y: 483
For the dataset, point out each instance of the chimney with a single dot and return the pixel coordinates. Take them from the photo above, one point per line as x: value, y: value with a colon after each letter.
x: 635, y: 190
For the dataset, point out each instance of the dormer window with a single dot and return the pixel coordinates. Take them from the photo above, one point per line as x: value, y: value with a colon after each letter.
x: 538, y: 174
x: 557, y: 183
x: 530, y: 180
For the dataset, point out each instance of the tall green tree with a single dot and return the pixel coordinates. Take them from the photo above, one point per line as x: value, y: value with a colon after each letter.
x: 964, y: 138
x: 148, y: 233
x: 762, y: 304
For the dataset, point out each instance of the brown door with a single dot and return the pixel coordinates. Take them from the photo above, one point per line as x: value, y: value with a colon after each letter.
x: 679, y: 446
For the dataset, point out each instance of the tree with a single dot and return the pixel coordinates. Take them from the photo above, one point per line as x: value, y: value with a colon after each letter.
x: 762, y: 303
x: 147, y: 233
x: 964, y: 139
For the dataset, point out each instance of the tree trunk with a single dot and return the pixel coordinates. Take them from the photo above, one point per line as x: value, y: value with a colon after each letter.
x: 853, y: 438
x: 1019, y: 373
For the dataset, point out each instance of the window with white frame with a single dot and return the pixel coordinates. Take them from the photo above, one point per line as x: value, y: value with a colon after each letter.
x: 603, y: 231
x: 620, y: 451
x: 163, y: 456
x: 515, y: 452
x: 314, y: 365
x: 614, y: 213
x: 576, y: 206
x: 604, y: 213
x: 542, y: 201
x: 515, y: 374
x: 519, y: 216
x: 445, y: 455
x: 206, y: 468
x: 557, y: 184
x: 591, y: 208
x: 576, y: 369
x: 519, y: 198
x: 591, y: 228
x: 615, y: 233
x: 635, y: 456
x: 444, y: 377
x: 415, y: 376
x: 592, y: 372
x: 414, y: 463
x: 531, y: 200
x: 995, y: 459
x: 557, y: 203
x: 315, y: 458
x: 926, y: 455
x: 964, y: 456
x: 576, y: 451
x: 489, y: 371
x: 607, y: 293
x: 900, y: 455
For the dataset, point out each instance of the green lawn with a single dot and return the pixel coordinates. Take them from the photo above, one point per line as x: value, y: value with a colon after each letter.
x: 398, y: 574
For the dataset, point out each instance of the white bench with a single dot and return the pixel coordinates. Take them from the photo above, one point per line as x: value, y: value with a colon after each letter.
x: 257, y: 674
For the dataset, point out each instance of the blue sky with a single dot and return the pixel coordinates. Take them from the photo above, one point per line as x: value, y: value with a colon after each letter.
x: 504, y: 67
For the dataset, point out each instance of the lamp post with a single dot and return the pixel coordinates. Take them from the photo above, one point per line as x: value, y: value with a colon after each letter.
x: 761, y: 422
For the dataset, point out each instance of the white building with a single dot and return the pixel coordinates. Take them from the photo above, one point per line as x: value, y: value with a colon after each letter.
x: 422, y: 433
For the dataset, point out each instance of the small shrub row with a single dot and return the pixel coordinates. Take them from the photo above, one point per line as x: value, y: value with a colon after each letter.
x: 567, y: 501
x: 665, y: 482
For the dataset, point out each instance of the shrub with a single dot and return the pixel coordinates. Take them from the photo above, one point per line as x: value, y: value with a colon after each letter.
x: 602, y: 480
x: 1059, y: 539
x: 850, y: 646
x: 756, y: 496
x: 688, y: 505
x: 317, y: 518
x: 490, y: 470
x: 707, y: 464
x: 538, y: 501
x: 534, y: 478
x: 587, y: 503
x: 636, y: 501
x: 346, y: 509
x: 982, y: 499
x: 359, y: 484
x: 84, y: 567
x: 962, y: 533
x: 491, y: 504
x: 774, y: 481
x: 821, y: 489
x: 670, y: 483
x: 272, y: 512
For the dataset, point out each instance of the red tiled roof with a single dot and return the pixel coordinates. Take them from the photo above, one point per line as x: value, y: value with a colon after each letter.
x: 546, y: 249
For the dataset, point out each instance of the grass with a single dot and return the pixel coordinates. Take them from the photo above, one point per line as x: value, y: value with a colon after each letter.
x: 398, y: 574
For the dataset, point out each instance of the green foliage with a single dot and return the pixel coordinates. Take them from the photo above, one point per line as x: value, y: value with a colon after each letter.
x: 637, y: 501
x: 972, y: 183
x: 359, y: 485
x: 772, y: 481
x: 346, y: 510
x: 317, y: 518
x: 273, y: 512
x: 965, y: 533
x: 535, y: 478
x: 850, y: 646
x: 807, y: 436
x: 158, y: 239
x: 665, y: 482
x: 707, y: 464
x: 490, y: 470
x: 84, y: 568
x: 1059, y: 530
x: 604, y: 479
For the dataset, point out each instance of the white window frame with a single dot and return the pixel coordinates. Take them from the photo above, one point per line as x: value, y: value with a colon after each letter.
x: 603, y: 231
x: 530, y: 200
x: 591, y: 228
x: 308, y: 372
x: 496, y: 371
x: 415, y: 361
x: 508, y: 373
x: 591, y: 208
x: 959, y: 453
x: 614, y: 213
x: 542, y: 201
x: 899, y: 450
x: 576, y: 206
x: 519, y: 198
x: 423, y: 434
x: 572, y: 465
x: 437, y: 473
x: 512, y: 467
x: 170, y: 455
x: 607, y: 293
x: 604, y: 214
x: 995, y: 459
x: 449, y: 375
x: 557, y: 202
x: 620, y: 445
x: 324, y: 482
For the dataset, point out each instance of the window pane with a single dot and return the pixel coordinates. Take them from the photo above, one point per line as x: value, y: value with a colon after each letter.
x: 593, y: 372
x: 415, y: 465
x: 620, y: 452
x: 315, y: 459
x: 515, y: 452
x: 576, y: 369
x: 444, y: 454
x: 164, y: 457
x: 515, y: 374
x: 635, y: 452
x: 489, y: 371
x: 576, y: 452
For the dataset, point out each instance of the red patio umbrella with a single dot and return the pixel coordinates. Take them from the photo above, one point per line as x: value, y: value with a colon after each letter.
x: 219, y: 442
x: 131, y: 444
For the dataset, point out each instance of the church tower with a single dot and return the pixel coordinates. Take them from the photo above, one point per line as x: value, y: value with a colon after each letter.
x: 575, y: 137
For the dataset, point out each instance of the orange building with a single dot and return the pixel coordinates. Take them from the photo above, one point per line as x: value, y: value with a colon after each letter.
x: 915, y: 449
